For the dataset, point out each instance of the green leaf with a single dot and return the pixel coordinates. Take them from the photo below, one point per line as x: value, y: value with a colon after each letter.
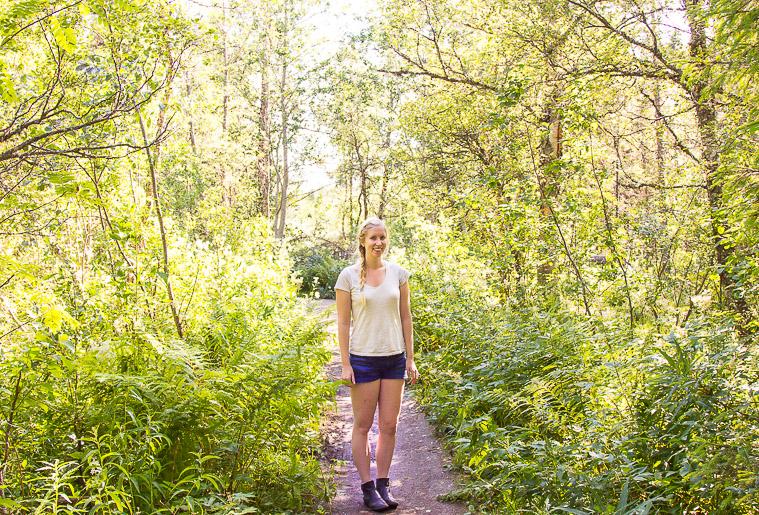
x: 64, y: 36
x: 749, y: 127
x: 622, y: 505
x: 9, y: 503
x: 7, y: 89
x: 54, y: 318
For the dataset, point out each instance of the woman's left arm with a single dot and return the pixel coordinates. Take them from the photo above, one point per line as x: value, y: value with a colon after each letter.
x: 408, y: 332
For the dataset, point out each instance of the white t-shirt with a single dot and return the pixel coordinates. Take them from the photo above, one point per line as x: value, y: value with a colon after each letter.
x: 376, y: 329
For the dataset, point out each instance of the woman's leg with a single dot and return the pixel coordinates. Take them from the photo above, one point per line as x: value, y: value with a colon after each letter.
x: 364, y: 398
x: 390, y: 394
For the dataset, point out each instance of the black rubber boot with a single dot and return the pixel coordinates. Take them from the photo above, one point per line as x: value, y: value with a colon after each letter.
x: 383, y: 489
x: 372, y: 500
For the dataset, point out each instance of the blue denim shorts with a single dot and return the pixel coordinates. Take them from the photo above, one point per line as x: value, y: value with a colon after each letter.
x: 371, y: 368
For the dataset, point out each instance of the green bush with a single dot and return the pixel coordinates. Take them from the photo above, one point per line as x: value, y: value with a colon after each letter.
x: 107, y: 411
x: 318, y: 268
x: 547, y: 410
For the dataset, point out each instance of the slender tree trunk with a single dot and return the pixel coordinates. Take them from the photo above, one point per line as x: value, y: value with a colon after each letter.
x: 188, y: 91
x: 550, y: 151
x: 280, y: 232
x: 153, y: 162
x: 555, y: 219
x: 389, y: 162
x: 659, y: 131
x: 706, y: 119
x: 363, y: 194
x: 225, y: 172
x: 388, y: 167
x: 342, y: 220
x: 225, y: 71
x: 280, y: 228
x: 351, y: 222
x: 263, y: 163
x: 7, y: 436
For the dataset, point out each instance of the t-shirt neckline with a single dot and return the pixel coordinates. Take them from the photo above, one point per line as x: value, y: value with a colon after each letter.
x: 387, y: 267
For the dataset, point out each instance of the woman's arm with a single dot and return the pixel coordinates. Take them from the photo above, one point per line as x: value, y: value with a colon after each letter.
x: 408, y: 331
x: 343, y: 301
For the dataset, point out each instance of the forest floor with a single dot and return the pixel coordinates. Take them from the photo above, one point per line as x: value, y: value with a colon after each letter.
x: 420, y: 469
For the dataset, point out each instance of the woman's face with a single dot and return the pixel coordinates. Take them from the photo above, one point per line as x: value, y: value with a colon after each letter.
x: 375, y: 241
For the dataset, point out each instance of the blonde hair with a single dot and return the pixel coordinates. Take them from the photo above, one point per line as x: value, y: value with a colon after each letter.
x: 369, y: 223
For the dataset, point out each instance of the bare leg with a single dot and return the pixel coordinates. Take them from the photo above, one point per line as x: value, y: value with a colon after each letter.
x: 364, y: 401
x: 390, y: 394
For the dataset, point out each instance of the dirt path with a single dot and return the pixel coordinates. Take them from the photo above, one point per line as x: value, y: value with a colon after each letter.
x: 419, y: 470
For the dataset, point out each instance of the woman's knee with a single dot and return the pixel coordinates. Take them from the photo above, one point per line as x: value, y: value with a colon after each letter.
x: 361, y: 427
x: 388, y: 428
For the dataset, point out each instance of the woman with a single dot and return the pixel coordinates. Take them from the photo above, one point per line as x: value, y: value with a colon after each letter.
x: 374, y: 294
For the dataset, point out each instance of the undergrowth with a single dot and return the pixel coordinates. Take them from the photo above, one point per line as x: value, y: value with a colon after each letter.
x: 105, y: 410
x: 547, y: 410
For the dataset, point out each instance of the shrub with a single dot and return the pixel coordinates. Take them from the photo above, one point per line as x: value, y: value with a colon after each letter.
x: 107, y: 411
x: 547, y: 410
x: 318, y: 267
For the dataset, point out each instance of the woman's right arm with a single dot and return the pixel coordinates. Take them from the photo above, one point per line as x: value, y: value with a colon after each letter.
x: 343, y: 299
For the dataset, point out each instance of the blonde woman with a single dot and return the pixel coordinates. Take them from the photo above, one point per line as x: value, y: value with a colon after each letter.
x: 377, y: 353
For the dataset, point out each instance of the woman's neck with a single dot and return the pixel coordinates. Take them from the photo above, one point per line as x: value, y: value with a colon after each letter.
x: 374, y: 262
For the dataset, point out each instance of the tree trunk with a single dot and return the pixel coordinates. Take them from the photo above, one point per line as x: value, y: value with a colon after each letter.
x: 7, y: 436
x: 364, y: 194
x: 349, y: 182
x: 227, y: 182
x: 225, y: 71
x: 659, y: 136
x: 388, y: 167
x: 188, y: 90
x: 263, y: 163
x: 342, y: 219
x: 546, y: 201
x: 550, y: 151
x: 153, y: 162
x: 280, y: 228
x: 706, y: 120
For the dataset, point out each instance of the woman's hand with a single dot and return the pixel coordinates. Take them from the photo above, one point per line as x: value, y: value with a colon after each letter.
x: 347, y: 375
x: 412, y: 372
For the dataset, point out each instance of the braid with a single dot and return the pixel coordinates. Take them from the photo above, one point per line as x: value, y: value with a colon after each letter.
x: 362, y: 275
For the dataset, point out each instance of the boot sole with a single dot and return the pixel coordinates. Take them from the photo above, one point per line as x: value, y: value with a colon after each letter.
x: 379, y: 510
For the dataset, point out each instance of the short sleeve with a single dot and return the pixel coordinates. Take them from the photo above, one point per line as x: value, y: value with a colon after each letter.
x: 344, y: 280
x: 403, y: 276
